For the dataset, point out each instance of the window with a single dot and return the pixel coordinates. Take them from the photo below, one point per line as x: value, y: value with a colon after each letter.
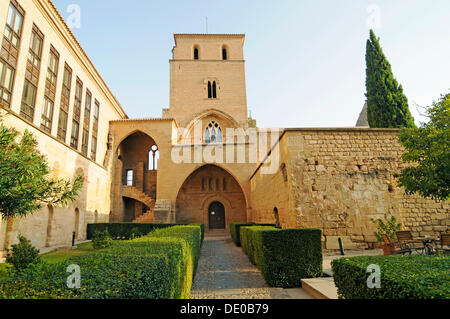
x: 95, y: 130
x: 14, y: 20
x: 32, y: 75
x: 75, y: 133
x: 224, y: 53
x: 224, y: 183
x: 76, y: 114
x: 86, y: 123
x: 64, y: 108
x: 213, y: 133
x: 28, y: 101
x: 85, y: 142
x: 153, y: 157
x: 94, y: 148
x: 212, y: 90
x: 50, y: 91
x: 47, y: 115
x: 203, y: 184
x: 6, y: 83
x: 196, y: 53
x: 129, y: 177
x: 9, y: 51
x: 35, y: 52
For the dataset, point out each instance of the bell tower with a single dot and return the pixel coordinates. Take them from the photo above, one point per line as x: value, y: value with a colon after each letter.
x: 207, y: 72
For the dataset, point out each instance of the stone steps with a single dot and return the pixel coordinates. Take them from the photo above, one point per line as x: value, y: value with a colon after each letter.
x: 320, y: 288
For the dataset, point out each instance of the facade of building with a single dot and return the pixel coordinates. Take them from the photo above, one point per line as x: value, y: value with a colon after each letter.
x: 49, y: 86
x: 204, y: 160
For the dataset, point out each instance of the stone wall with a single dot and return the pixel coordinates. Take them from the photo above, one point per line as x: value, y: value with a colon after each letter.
x: 340, y: 179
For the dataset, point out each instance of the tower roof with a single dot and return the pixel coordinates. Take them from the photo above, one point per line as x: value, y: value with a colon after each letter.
x: 208, y: 35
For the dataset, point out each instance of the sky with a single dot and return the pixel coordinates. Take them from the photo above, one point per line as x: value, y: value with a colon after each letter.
x: 305, y: 59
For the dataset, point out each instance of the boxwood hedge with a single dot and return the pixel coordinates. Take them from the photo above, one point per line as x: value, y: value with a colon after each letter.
x: 125, y: 230
x: 160, y: 265
x: 284, y: 256
x: 235, y: 230
x: 402, y: 277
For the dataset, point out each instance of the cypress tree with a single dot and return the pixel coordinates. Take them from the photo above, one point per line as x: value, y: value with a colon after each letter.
x: 387, y: 106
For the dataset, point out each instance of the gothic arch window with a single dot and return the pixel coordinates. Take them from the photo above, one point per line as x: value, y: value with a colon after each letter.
x: 224, y: 53
x: 196, y: 53
x: 153, y: 157
x: 213, y: 133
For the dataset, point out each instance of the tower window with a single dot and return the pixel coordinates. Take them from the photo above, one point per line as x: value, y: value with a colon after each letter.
x: 224, y: 54
x: 195, y: 53
x: 212, y: 90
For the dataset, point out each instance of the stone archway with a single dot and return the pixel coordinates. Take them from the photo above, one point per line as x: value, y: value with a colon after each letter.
x: 135, y: 177
x: 205, y: 186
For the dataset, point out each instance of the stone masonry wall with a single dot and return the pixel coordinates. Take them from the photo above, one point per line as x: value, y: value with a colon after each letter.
x: 341, y: 178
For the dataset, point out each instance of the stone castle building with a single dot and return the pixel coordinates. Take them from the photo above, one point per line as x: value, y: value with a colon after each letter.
x: 204, y: 160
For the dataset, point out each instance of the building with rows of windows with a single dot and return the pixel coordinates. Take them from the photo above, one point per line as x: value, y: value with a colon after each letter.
x: 204, y: 160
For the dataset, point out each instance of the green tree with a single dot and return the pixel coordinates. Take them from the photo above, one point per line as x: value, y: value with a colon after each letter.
x: 428, y: 150
x: 25, y: 182
x: 387, y: 106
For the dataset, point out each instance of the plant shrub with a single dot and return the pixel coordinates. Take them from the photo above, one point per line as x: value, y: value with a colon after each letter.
x: 124, y: 231
x: 101, y: 240
x: 23, y: 254
x: 160, y: 265
x: 103, y: 276
x: 284, y: 256
x: 402, y: 277
x: 235, y: 230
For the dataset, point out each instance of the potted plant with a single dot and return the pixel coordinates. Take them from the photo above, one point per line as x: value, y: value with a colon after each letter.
x: 387, y: 228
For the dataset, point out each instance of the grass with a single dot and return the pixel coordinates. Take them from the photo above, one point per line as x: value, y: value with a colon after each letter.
x: 53, y: 257
x: 58, y: 256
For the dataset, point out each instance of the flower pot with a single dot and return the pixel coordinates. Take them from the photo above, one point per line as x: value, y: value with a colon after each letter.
x: 387, y: 249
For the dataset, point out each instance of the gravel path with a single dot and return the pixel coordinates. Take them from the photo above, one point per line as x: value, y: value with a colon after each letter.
x: 224, y: 272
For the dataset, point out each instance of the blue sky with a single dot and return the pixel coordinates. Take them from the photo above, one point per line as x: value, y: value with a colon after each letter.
x: 305, y: 59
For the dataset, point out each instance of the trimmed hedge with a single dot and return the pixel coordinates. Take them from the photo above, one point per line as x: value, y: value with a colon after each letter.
x: 125, y: 230
x: 235, y: 230
x: 160, y: 265
x: 402, y: 277
x: 284, y: 256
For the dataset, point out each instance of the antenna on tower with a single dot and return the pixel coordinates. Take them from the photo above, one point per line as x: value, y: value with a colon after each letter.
x: 206, y: 25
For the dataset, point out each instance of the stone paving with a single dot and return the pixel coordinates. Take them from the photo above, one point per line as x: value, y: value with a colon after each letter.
x: 224, y: 272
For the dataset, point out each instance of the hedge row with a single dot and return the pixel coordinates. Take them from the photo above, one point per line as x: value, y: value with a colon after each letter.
x: 160, y: 265
x: 283, y: 256
x: 235, y: 230
x: 402, y: 277
x: 126, y: 230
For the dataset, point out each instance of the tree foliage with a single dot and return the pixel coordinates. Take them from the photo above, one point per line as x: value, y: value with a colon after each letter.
x: 427, y: 148
x: 387, y: 106
x: 25, y: 182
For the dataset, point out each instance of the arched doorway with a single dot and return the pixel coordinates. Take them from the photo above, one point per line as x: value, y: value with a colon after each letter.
x: 216, y: 216
x: 201, y: 193
x: 136, y: 176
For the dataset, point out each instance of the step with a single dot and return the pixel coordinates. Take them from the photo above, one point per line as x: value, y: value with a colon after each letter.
x: 320, y: 288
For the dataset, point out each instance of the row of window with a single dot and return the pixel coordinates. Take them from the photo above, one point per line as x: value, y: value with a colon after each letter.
x: 197, y: 53
x: 210, y: 182
x: 8, y: 64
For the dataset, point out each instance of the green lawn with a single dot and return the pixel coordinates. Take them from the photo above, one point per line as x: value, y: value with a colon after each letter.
x: 53, y: 257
